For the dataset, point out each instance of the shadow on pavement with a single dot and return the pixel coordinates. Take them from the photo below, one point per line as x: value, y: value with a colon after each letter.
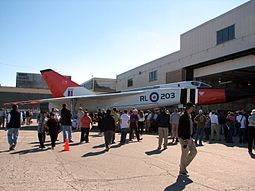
x: 99, y: 146
x: 6, y: 151
x: 48, y: 144
x: 172, y: 144
x: 96, y: 135
x: 116, y: 146
x: 29, y: 128
x: 153, y: 152
x: 91, y: 154
x: 234, y: 144
x: 180, y: 184
x: 28, y: 151
x: 37, y: 142
x: 75, y: 144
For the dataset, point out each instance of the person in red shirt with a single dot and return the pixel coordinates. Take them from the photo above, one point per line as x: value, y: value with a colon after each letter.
x: 85, y: 125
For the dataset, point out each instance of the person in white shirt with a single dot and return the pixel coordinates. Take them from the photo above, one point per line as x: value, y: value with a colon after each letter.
x: 241, y: 119
x: 214, y: 125
x: 124, y: 126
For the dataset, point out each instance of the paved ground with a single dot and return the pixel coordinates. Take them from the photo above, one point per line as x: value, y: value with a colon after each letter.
x: 135, y: 166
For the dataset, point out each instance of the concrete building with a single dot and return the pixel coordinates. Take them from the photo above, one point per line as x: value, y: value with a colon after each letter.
x: 220, y: 52
x: 31, y: 80
x: 100, y: 85
x: 13, y: 94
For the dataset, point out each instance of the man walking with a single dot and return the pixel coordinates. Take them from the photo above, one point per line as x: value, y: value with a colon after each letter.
x: 66, y: 123
x: 14, y: 121
x: 108, y: 125
x: 163, y: 121
x: 188, y: 147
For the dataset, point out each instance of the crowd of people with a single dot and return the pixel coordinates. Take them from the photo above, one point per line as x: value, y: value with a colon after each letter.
x: 186, y: 127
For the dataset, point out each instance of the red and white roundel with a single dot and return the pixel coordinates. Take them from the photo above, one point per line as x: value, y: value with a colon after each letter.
x: 154, y: 97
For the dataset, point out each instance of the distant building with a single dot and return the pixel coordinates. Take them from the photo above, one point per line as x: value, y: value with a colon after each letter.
x: 100, y: 85
x: 13, y: 94
x: 31, y: 80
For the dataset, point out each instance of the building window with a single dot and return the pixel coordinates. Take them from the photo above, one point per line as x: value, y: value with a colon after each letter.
x: 226, y: 34
x: 130, y: 82
x: 153, y: 76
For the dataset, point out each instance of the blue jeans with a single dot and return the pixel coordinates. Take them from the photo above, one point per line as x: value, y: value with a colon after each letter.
x: 124, y: 132
x: 199, y: 134
x: 13, y: 136
x: 67, y: 128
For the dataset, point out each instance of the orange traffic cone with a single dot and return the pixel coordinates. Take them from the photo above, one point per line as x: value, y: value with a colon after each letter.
x: 66, y: 146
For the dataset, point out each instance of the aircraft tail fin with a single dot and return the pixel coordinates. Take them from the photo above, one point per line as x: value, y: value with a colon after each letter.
x: 61, y: 86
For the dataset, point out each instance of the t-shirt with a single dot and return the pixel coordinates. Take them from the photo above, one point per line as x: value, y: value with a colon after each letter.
x: 242, y: 123
x: 141, y: 119
x: 85, y: 121
x: 124, y: 121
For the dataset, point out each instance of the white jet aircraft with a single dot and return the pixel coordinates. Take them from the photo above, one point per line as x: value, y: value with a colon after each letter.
x: 66, y: 91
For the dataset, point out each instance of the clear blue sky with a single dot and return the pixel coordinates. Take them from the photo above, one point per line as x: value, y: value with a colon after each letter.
x: 102, y: 38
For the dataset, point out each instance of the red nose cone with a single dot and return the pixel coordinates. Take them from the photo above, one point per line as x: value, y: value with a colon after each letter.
x: 211, y: 96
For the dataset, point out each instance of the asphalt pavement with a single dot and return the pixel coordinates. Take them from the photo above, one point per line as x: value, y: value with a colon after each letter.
x: 134, y: 166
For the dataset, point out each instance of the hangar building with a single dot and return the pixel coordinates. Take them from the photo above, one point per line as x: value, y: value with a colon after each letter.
x: 220, y: 52
x: 221, y: 49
